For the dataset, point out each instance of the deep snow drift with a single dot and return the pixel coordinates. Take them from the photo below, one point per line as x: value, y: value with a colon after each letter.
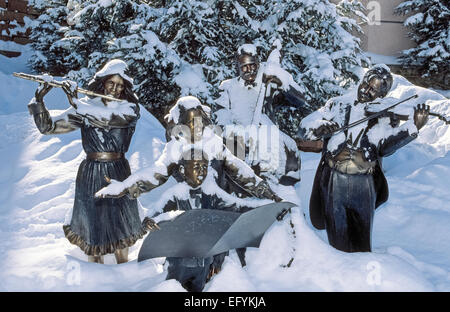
x: 411, y: 236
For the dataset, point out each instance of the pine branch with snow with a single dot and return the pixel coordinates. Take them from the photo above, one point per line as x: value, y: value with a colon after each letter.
x: 175, y: 48
x: 46, y: 32
x: 319, y: 49
x: 429, y: 27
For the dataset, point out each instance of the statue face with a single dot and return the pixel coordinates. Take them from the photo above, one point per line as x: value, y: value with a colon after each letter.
x: 248, y: 67
x: 114, y: 86
x: 370, y: 91
x: 194, y: 120
x: 195, y: 172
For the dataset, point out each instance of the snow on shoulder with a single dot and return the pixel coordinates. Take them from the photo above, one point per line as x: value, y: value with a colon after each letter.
x: 113, y: 67
x: 95, y: 107
x: 187, y: 102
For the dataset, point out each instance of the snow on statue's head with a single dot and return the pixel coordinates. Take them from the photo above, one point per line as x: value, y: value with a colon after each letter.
x: 113, y: 80
x: 187, y: 118
x: 247, y: 62
x: 184, y: 104
x: 376, y: 83
x: 193, y: 166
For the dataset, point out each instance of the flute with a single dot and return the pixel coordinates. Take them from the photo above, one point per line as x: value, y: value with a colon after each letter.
x: 58, y: 84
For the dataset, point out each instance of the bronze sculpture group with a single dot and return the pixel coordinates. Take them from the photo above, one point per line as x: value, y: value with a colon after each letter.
x: 349, y: 183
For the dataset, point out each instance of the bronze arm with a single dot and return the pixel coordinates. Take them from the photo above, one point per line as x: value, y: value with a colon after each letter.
x: 137, y: 189
x: 250, y: 184
x: 46, y: 125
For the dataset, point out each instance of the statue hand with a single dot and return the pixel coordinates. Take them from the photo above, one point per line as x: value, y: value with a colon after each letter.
x: 104, y: 194
x: 421, y: 115
x: 325, y: 129
x: 271, y: 78
x: 263, y: 190
x: 150, y: 224
x: 70, y: 89
x: 133, y: 191
x: 41, y: 91
x: 314, y: 146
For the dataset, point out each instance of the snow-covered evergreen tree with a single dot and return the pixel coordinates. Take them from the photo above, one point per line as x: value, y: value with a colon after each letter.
x: 101, y: 30
x: 429, y: 28
x: 96, y: 25
x: 191, y: 29
x: 153, y: 64
x: 319, y: 46
x: 46, y: 31
x: 123, y: 29
x: 177, y: 47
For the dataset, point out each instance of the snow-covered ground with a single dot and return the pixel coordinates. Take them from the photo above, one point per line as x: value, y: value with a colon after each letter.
x: 411, y: 234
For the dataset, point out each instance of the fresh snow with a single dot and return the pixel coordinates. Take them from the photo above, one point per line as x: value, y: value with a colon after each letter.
x: 187, y: 102
x: 113, y: 67
x: 96, y: 108
x: 411, y: 236
x: 247, y: 48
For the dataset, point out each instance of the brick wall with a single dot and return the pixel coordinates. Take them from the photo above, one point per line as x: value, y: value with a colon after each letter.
x: 12, y: 14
